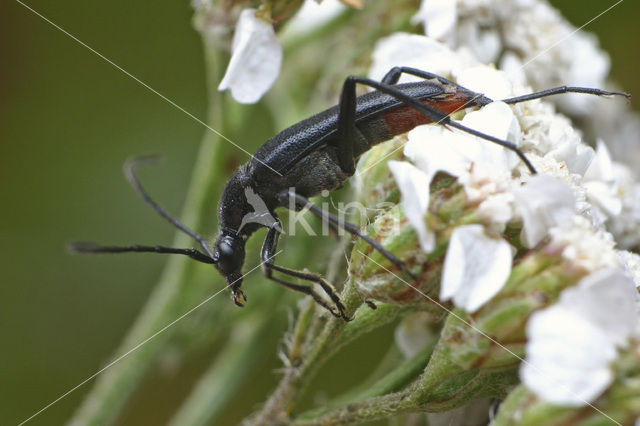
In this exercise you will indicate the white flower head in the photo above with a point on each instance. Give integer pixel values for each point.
(583, 246)
(476, 267)
(544, 203)
(572, 343)
(255, 61)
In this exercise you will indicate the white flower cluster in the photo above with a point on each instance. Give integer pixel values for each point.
(531, 39)
(532, 42)
(543, 50)
(565, 205)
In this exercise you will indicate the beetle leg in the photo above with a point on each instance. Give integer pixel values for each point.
(346, 120)
(346, 127)
(268, 266)
(394, 74)
(350, 228)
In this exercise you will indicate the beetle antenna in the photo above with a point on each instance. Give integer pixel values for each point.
(91, 248)
(564, 89)
(129, 171)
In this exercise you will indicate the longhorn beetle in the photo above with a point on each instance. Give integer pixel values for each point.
(318, 154)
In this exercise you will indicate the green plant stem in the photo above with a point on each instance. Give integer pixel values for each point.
(230, 370)
(515, 402)
(486, 384)
(296, 377)
(370, 409)
(174, 294)
(335, 335)
(391, 382)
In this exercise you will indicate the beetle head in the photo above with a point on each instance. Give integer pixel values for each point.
(228, 256)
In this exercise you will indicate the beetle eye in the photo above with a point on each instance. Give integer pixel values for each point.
(225, 249)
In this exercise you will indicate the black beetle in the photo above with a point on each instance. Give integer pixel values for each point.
(319, 154)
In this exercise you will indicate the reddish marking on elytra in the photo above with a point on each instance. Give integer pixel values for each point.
(404, 118)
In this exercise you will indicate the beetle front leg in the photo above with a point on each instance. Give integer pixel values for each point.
(268, 266)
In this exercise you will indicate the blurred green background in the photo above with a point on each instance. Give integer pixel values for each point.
(69, 121)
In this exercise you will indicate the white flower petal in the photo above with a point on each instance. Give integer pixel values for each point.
(486, 80)
(476, 267)
(495, 119)
(438, 17)
(606, 298)
(414, 186)
(256, 59)
(433, 148)
(601, 167)
(600, 194)
(573, 153)
(572, 343)
(567, 357)
(497, 210)
(312, 15)
(512, 67)
(412, 50)
(544, 202)
(484, 43)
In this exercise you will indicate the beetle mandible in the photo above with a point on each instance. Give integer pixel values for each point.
(319, 154)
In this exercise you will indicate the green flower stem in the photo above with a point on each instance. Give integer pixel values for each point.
(174, 294)
(401, 376)
(335, 335)
(368, 320)
(391, 382)
(523, 405)
(479, 386)
(368, 410)
(467, 386)
(299, 335)
(299, 374)
(440, 368)
(513, 403)
(230, 370)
